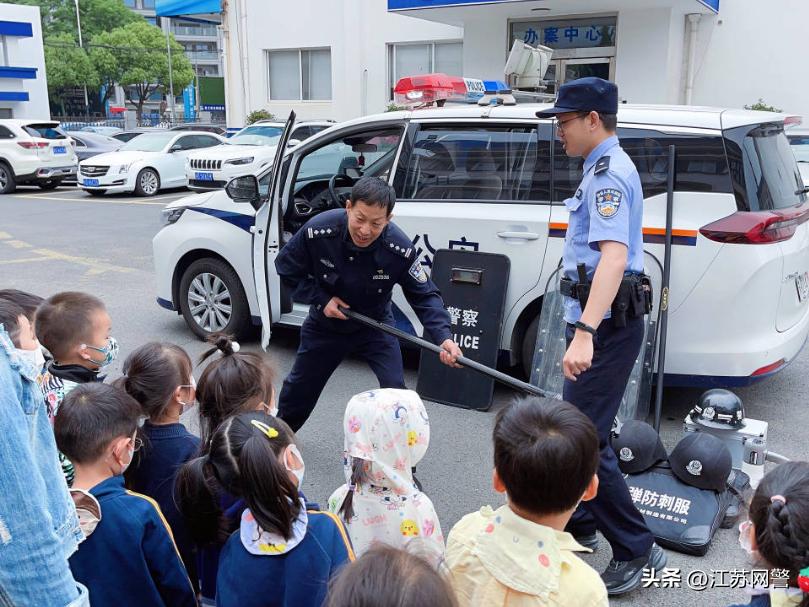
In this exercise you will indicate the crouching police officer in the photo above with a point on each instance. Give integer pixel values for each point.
(604, 306)
(352, 258)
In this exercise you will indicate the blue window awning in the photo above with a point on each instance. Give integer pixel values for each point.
(16, 28)
(13, 96)
(405, 5)
(25, 73)
(177, 8)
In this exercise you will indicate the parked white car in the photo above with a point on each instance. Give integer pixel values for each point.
(34, 152)
(799, 140)
(246, 153)
(493, 179)
(145, 164)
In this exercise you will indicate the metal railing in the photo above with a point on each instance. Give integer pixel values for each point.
(186, 30)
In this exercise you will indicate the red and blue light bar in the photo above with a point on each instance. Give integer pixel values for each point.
(429, 89)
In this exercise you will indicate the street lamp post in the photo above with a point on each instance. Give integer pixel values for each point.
(170, 96)
(81, 45)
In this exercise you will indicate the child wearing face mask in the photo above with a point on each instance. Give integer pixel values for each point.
(233, 382)
(777, 535)
(284, 551)
(75, 328)
(128, 556)
(158, 376)
(21, 332)
(29, 304)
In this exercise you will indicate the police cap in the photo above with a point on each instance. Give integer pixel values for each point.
(701, 460)
(638, 447)
(588, 94)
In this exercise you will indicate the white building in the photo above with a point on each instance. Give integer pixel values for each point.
(23, 84)
(339, 58)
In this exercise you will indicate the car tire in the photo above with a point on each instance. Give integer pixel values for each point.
(7, 182)
(212, 299)
(50, 185)
(529, 341)
(96, 192)
(147, 183)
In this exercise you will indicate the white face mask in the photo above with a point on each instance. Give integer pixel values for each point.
(129, 463)
(293, 449)
(270, 410)
(187, 406)
(35, 357)
(746, 539)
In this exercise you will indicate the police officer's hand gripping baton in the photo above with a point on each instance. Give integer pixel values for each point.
(461, 360)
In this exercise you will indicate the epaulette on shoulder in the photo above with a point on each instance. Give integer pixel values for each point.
(602, 165)
(322, 232)
(393, 247)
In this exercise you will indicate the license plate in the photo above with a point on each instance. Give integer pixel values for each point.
(59, 149)
(203, 176)
(802, 284)
(90, 182)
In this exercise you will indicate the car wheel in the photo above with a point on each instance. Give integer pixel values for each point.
(7, 182)
(529, 342)
(49, 185)
(147, 183)
(96, 192)
(212, 299)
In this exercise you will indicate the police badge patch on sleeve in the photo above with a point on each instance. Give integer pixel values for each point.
(608, 201)
(417, 272)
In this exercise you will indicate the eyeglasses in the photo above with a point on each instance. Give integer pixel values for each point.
(136, 443)
(560, 124)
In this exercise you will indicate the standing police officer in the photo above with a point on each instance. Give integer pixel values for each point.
(352, 258)
(602, 260)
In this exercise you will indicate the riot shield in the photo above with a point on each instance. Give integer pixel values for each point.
(551, 346)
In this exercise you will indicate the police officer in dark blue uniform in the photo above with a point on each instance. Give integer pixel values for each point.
(602, 264)
(352, 258)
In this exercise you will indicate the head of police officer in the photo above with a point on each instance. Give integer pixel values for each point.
(369, 210)
(586, 112)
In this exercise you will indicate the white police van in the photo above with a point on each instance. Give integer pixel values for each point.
(493, 179)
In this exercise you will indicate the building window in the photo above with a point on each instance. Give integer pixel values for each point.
(148, 3)
(423, 58)
(3, 51)
(129, 3)
(303, 74)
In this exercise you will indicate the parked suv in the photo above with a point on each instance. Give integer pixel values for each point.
(34, 152)
(494, 179)
(247, 152)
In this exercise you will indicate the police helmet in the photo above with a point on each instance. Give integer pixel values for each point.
(718, 409)
(702, 460)
(638, 447)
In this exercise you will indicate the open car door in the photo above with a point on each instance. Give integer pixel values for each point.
(267, 242)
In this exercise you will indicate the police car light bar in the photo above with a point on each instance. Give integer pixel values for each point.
(436, 89)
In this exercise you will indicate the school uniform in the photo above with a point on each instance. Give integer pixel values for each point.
(261, 569)
(165, 449)
(130, 558)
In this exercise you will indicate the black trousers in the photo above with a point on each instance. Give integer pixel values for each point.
(320, 352)
(597, 393)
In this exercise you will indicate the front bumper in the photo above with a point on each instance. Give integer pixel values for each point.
(119, 182)
(219, 177)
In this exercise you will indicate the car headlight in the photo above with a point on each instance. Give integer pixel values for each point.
(245, 160)
(124, 168)
(171, 215)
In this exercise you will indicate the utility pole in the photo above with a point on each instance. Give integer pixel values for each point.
(170, 96)
(81, 45)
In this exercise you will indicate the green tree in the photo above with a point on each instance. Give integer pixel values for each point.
(135, 57)
(761, 106)
(257, 115)
(67, 66)
(59, 16)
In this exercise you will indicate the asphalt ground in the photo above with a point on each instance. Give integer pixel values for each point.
(66, 240)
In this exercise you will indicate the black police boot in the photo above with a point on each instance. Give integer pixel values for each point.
(621, 577)
(588, 541)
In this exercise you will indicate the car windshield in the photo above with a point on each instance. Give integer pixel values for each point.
(257, 135)
(800, 147)
(147, 142)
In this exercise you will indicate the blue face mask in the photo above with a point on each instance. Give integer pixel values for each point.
(109, 352)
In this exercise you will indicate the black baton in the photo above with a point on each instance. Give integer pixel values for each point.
(462, 360)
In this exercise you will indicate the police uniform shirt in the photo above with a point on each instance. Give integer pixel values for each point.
(322, 262)
(608, 205)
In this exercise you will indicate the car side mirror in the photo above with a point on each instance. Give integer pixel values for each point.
(244, 189)
(175, 148)
(293, 142)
